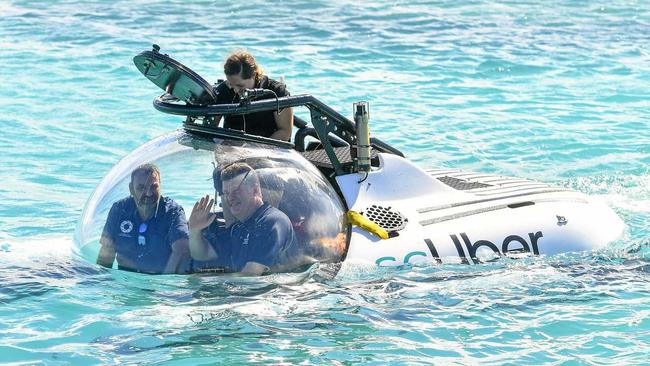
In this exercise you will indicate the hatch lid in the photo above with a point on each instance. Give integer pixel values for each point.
(174, 77)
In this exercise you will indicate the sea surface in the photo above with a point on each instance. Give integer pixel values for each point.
(554, 91)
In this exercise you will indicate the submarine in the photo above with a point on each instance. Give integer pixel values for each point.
(350, 197)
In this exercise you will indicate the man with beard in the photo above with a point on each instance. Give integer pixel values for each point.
(260, 239)
(146, 232)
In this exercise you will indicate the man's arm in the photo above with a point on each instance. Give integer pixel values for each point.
(200, 249)
(201, 218)
(284, 123)
(180, 255)
(107, 250)
(106, 255)
(179, 259)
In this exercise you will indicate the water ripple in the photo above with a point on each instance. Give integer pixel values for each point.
(545, 91)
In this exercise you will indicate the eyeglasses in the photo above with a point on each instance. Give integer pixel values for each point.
(141, 230)
(228, 193)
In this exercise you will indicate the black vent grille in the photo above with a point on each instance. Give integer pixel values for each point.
(319, 157)
(388, 219)
(462, 185)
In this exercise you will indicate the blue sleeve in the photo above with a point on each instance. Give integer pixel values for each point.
(111, 222)
(178, 226)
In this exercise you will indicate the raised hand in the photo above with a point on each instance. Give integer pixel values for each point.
(201, 216)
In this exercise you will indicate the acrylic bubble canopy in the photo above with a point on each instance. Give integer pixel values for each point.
(187, 165)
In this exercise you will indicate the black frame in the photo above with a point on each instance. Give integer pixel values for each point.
(324, 119)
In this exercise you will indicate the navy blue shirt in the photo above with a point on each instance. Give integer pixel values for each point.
(150, 253)
(258, 123)
(266, 238)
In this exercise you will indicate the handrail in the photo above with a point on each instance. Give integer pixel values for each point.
(255, 106)
(325, 120)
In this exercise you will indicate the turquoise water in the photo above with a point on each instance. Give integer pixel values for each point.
(551, 91)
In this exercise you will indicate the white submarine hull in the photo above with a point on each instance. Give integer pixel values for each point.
(448, 216)
(438, 216)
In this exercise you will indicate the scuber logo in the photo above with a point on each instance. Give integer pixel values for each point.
(510, 244)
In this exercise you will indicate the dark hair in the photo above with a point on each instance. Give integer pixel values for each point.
(236, 169)
(244, 63)
(147, 169)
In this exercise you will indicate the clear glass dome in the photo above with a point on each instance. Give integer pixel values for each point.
(187, 165)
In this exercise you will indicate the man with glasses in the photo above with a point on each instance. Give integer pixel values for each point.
(146, 232)
(256, 243)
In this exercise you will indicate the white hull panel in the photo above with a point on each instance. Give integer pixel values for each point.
(455, 217)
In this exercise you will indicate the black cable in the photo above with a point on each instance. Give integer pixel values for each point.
(364, 178)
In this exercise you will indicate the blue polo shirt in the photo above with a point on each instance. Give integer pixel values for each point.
(266, 238)
(151, 254)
